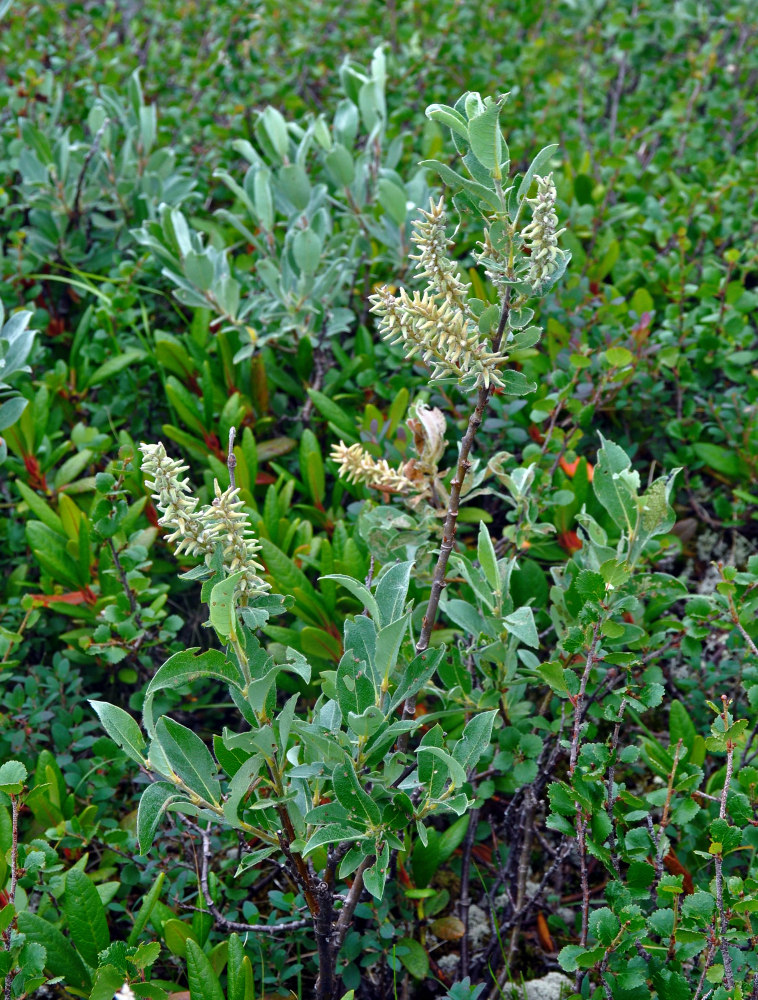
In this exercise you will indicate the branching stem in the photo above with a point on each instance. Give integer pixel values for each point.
(451, 519)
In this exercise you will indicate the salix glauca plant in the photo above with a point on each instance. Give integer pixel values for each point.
(335, 786)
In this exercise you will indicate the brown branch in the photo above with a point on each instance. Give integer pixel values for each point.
(346, 913)
(464, 901)
(451, 519)
(322, 926)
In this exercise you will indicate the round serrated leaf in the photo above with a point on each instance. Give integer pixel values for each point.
(13, 774)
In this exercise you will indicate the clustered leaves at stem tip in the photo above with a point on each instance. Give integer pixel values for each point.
(199, 531)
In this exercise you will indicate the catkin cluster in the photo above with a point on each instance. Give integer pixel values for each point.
(198, 531)
(416, 476)
(541, 235)
(437, 324)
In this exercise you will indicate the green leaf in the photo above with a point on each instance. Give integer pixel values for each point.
(334, 413)
(264, 206)
(122, 729)
(388, 642)
(567, 957)
(604, 925)
(619, 357)
(185, 667)
(487, 558)
(312, 466)
(40, 508)
(339, 162)
(478, 192)
(418, 672)
(359, 590)
(681, 726)
(521, 624)
(485, 138)
(475, 740)
(114, 365)
(333, 833)
(699, 906)
(391, 592)
(414, 957)
(222, 606)
(107, 982)
(540, 160)
(61, 959)
(454, 769)
(615, 485)
(154, 802)
(203, 982)
(239, 971)
(553, 675)
(11, 410)
(355, 688)
(148, 904)
(375, 877)
(516, 383)
(85, 916)
(393, 200)
(590, 584)
(13, 774)
(306, 249)
(715, 456)
(190, 758)
(239, 787)
(350, 794)
(450, 117)
(176, 934)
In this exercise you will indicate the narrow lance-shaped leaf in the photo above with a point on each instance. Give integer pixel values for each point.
(140, 921)
(485, 138)
(475, 740)
(375, 877)
(122, 729)
(203, 981)
(540, 161)
(189, 757)
(352, 796)
(154, 802)
(391, 592)
(222, 608)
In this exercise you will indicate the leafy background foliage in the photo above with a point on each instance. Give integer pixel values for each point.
(192, 223)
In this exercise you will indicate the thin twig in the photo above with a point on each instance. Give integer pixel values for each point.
(718, 860)
(222, 922)
(464, 901)
(346, 913)
(451, 519)
(76, 212)
(125, 584)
